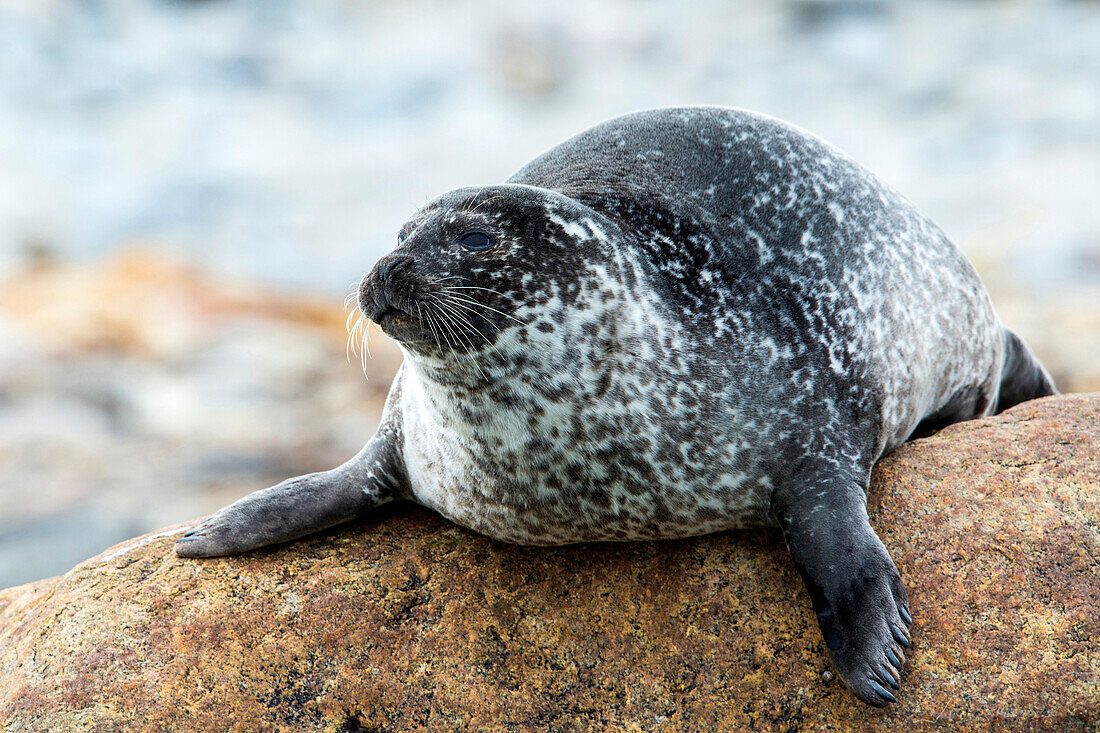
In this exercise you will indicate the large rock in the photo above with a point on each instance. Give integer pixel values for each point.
(406, 622)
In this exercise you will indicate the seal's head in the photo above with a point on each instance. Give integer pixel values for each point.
(473, 267)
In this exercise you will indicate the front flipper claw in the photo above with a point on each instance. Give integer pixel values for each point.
(292, 509)
(888, 676)
(900, 636)
(855, 589)
(881, 695)
(213, 537)
(865, 625)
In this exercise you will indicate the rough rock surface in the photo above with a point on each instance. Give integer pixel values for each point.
(405, 622)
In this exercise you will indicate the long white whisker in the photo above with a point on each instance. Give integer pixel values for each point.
(459, 316)
(463, 319)
(466, 344)
(353, 340)
(471, 287)
(456, 304)
(425, 319)
(465, 287)
(452, 296)
(470, 324)
(445, 322)
(443, 325)
(431, 325)
(365, 348)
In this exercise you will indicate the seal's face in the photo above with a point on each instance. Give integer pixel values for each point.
(471, 265)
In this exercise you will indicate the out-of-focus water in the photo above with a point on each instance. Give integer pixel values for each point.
(288, 139)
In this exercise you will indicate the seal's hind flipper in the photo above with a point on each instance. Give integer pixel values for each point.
(857, 594)
(1023, 377)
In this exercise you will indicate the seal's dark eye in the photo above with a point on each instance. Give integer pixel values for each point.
(475, 240)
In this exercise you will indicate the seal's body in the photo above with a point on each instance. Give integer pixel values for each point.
(677, 322)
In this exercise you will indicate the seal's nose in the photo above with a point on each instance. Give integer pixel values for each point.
(386, 265)
(378, 289)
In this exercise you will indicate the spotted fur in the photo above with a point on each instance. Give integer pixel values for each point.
(690, 320)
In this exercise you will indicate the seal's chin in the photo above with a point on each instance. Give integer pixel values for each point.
(400, 325)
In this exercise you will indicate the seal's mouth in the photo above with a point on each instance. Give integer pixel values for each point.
(388, 312)
(389, 295)
(432, 314)
(396, 322)
(393, 319)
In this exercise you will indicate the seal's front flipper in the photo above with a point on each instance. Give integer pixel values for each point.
(298, 506)
(856, 591)
(287, 511)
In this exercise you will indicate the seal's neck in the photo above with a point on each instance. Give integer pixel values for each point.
(462, 371)
(564, 354)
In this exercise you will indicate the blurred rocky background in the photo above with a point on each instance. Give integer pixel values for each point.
(188, 189)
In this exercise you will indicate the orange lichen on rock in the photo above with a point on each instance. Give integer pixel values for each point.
(406, 622)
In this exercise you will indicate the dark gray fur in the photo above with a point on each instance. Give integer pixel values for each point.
(690, 320)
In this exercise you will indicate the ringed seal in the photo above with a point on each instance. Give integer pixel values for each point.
(677, 322)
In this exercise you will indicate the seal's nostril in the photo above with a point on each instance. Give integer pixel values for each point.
(386, 265)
